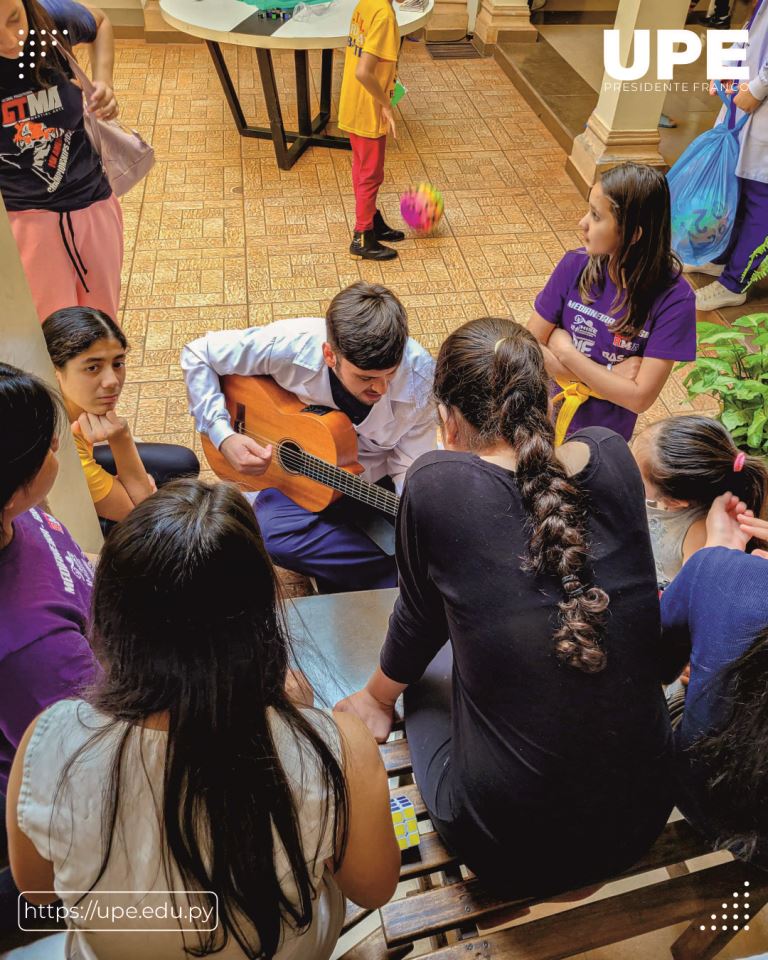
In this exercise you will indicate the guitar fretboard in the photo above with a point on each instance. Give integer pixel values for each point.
(296, 460)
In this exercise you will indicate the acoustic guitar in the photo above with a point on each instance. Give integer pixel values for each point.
(314, 459)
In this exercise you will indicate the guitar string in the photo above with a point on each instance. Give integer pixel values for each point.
(331, 475)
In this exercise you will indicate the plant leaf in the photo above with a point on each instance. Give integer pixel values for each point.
(756, 429)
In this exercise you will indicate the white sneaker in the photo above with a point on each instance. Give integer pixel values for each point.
(715, 295)
(711, 269)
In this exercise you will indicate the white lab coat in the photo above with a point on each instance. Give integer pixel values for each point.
(400, 427)
(753, 140)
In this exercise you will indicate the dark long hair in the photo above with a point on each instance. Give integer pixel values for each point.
(186, 621)
(492, 371)
(644, 265)
(30, 417)
(47, 71)
(737, 754)
(693, 457)
(72, 330)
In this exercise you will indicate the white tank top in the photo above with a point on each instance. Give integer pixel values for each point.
(69, 834)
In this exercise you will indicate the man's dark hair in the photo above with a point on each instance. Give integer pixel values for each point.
(367, 325)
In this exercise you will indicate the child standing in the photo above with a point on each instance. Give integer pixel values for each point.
(686, 463)
(616, 314)
(366, 114)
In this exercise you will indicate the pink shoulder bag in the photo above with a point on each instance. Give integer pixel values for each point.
(126, 157)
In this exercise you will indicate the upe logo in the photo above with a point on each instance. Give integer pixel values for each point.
(739, 916)
(720, 62)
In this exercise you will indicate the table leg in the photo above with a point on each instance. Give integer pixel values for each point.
(309, 133)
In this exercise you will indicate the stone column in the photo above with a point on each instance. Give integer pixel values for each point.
(22, 345)
(503, 20)
(624, 124)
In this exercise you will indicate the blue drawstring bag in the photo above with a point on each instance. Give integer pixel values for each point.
(705, 190)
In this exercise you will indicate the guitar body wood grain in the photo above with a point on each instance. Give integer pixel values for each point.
(272, 415)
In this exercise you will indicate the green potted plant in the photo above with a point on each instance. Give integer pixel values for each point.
(732, 366)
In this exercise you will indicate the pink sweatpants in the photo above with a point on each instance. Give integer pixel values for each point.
(367, 176)
(72, 259)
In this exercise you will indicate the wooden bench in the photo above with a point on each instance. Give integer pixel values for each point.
(450, 903)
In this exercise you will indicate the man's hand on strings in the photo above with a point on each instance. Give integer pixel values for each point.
(246, 456)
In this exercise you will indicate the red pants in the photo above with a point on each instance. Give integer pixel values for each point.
(367, 176)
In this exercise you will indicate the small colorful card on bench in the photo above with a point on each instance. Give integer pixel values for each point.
(399, 93)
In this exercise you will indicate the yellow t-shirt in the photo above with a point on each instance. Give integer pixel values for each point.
(373, 30)
(99, 481)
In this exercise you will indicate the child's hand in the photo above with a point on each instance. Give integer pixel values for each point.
(388, 115)
(754, 527)
(724, 526)
(103, 103)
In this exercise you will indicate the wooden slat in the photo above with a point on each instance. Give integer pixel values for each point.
(604, 922)
(446, 907)
(373, 947)
(354, 915)
(396, 757)
(433, 856)
(411, 791)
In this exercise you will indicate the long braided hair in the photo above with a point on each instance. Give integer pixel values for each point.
(492, 371)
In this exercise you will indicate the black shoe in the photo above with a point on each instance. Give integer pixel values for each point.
(717, 23)
(365, 246)
(385, 232)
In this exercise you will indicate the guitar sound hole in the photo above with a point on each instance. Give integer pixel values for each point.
(289, 456)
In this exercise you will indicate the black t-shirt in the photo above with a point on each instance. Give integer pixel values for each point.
(547, 763)
(47, 161)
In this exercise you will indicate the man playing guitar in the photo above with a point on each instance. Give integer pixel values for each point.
(359, 360)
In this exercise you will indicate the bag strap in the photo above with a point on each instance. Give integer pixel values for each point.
(734, 127)
(80, 75)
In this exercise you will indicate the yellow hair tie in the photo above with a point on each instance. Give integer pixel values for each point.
(497, 344)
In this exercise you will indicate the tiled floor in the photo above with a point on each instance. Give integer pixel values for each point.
(219, 237)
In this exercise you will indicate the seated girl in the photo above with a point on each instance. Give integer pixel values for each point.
(45, 582)
(616, 314)
(539, 734)
(686, 462)
(88, 350)
(714, 613)
(189, 767)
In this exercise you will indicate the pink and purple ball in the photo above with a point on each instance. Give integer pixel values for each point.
(422, 208)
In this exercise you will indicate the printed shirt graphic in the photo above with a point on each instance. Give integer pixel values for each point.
(45, 595)
(47, 161)
(669, 332)
(373, 30)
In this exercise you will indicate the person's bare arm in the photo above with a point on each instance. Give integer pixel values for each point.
(542, 329)
(365, 73)
(102, 54)
(369, 871)
(30, 870)
(374, 704)
(636, 394)
(695, 538)
(132, 484)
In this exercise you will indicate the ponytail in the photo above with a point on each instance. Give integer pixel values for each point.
(492, 371)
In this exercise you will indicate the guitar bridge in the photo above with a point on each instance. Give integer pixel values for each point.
(239, 422)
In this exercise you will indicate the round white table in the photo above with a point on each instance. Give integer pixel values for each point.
(231, 21)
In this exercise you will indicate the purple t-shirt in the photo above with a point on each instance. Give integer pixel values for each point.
(669, 332)
(45, 595)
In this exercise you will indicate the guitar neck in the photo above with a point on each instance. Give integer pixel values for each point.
(332, 476)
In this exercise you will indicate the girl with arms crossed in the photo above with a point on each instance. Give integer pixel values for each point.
(616, 314)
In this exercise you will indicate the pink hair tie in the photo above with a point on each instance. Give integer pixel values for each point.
(738, 463)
